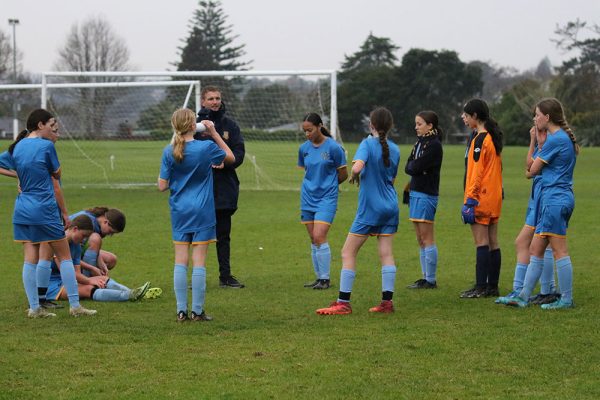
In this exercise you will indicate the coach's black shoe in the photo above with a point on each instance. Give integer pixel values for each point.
(322, 284)
(202, 317)
(423, 284)
(47, 304)
(492, 291)
(473, 293)
(182, 316)
(230, 282)
(311, 284)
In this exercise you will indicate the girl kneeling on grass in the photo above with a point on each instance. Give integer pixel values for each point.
(187, 171)
(375, 165)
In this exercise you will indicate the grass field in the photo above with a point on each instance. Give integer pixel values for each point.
(267, 342)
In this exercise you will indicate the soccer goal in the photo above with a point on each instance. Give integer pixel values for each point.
(114, 125)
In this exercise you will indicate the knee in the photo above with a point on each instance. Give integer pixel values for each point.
(110, 260)
(95, 241)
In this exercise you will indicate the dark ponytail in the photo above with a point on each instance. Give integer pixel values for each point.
(22, 135)
(316, 120)
(430, 117)
(479, 109)
(382, 120)
(33, 120)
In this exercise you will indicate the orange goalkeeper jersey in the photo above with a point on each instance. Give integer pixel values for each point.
(483, 179)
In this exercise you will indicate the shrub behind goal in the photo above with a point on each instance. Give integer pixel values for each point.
(114, 125)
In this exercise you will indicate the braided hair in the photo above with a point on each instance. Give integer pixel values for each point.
(182, 122)
(382, 120)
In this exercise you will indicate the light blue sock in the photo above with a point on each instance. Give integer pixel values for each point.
(43, 271)
(198, 289)
(519, 279)
(180, 285)
(67, 275)
(112, 284)
(323, 254)
(388, 278)
(110, 295)
(547, 279)
(423, 261)
(313, 253)
(564, 270)
(90, 257)
(431, 257)
(30, 285)
(534, 271)
(346, 281)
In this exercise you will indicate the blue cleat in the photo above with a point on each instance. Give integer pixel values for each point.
(505, 299)
(517, 302)
(558, 305)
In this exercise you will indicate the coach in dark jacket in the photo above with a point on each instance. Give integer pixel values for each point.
(225, 181)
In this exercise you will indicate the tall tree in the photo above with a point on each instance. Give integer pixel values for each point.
(93, 46)
(209, 45)
(578, 81)
(374, 52)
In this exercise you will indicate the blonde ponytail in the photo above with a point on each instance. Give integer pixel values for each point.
(182, 122)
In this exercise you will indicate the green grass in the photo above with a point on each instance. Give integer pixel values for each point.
(267, 342)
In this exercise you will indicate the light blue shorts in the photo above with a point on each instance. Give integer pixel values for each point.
(422, 207)
(323, 217)
(38, 233)
(372, 230)
(201, 236)
(531, 214)
(553, 220)
(54, 287)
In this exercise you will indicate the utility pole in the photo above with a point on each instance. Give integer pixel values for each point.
(14, 22)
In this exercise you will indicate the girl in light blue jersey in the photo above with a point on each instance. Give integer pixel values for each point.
(187, 171)
(324, 164)
(374, 169)
(556, 163)
(36, 217)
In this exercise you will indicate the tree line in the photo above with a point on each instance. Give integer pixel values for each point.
(373, 75)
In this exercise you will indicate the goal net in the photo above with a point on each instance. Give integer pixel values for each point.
(114, 126)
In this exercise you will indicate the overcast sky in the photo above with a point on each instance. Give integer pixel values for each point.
(308, 34)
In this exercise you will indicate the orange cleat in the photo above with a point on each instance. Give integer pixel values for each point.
(336, 308)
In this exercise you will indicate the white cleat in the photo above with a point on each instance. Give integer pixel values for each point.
(39, 313)
(78, 311)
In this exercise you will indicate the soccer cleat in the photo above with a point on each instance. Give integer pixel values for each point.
(423, 284)
(322, 284)
(473, 293)
(79, 311)
(311, 284)
(137, 293)
(386, 306)
(517, 301)
(47, 304)
(39, 312)
(153, 293)
(492, 292)
(544, 298)
(200, 317)
(230, 282)
(559, 304)
(336, 308)
(504, 300)
(417, 284)
(182, 316)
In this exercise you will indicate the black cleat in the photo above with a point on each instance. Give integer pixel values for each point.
(231, 282)
(202, 317)
(423, 284)
(311, 284)
(473, 293)
(182, 316)
(49, 305)
(322, 284)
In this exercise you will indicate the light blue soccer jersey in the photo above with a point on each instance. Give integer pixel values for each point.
(320, 184)
(6, 161)
(75, 250)
(35, 159)
(558, 153)
(191, 185)
(377, 198)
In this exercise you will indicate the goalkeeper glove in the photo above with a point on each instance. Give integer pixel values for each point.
(468, 211)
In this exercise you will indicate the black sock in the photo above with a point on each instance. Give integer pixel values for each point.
(42, 293)
(345, 296)
(387, 295)
(494, 272)
(482, 266)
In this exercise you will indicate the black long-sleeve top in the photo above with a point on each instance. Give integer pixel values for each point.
(424, 165)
